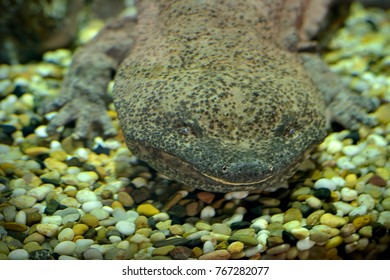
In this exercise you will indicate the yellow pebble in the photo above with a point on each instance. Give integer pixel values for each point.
(36, 151)
(334, 242)
(196, 252)
(332, 220)
(350, 180)
(77, 237)
(116, 204)
(362, 221)
(90, 220)
(80, 229)
(383, 172)
(235, 247)
(383, 113)
(334, 196)
(147, 210)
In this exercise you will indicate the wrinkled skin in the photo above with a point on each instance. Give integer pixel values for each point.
(214, 94)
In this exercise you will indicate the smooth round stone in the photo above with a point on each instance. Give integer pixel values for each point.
(67, 211)
(325, 183)
(208, 247)
(100, 213)
(23, 201)
(202, 226)
(125, 199)
(221, 228)
(181, 253)
(18, 254)
(125, 227)
(163, 251)
(161, 217)
(386, 203)
(55, 219)
(70, 218)
(332, 220)
(67, 234)
(278, 249)
(164, 225)
(348, 194)
(366, 200)
(9, 213)
(305, 244)
(260, 223)
(117, 254)
(35, 237)
(246, 239)
(366, 231)
(87, 177)
(15, 226)
(90, 220)
(314, 202)
(40, 192)
(147, 210)
(347, 230)
(80, 229)
(292, 214)
(86, 195)
(343, 208)
(236, 195)
(65, 248)
(207, 213)
(300, 233)
(216, 255)
(4, 248)
(291, 225)
(92, 254)
(48, 230)
(32, 246)
(334, 242)
(21, 217)
(362, 221)
(159, 236)
(70, 202)
(90, 205)
(235, 247)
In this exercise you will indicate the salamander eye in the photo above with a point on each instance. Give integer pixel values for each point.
(187, 128)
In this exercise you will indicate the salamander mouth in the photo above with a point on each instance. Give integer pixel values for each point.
(180, 170)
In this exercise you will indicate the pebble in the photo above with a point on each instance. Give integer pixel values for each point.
(180, 253)
(334, 242)
(292, 214)
(276, 250)
(147, 210)
(90, 220)
(125, 199)
(100, 213)
(314, 218)
(35, 237)
(362, 221)
(305, 244)
(65, 248)
(79, 229)
(348, 194)
(347, 230)
(208, 247)
(332, 220)
(300, 233)
(221, 228)
(71, 218)
(92, 254)
(40, 192)
(9, 213)
(314, 202)
(206, 197)
(86, 195)
(125, 227)
(87, 177)
(66, 234)
(246, 239)
(23, 201)
(49, 230)
(216, 255)
(55, 219)
(90, 205)
(235, 247)
(325, 183)
(207, 213)
(18, 254)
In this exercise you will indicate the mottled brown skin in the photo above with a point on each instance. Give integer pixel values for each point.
(214, 93)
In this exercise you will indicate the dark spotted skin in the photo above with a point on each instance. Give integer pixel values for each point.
(215, 95)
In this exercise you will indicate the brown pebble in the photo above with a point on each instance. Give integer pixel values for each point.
(125, 199)
(347, 230)
(193, 208)
(378, 181)
(216, 255)
(173, 201)
(206, 197)
(292, 214)
(181, 253)
(278, 249)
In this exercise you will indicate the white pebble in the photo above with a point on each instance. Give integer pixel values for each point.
(40, 192)
(66, 234)
(378, 140)
(351, 150)
(40, 131)
(208, 247)
(86, 195)
(23, 201)
(114, 238)
(65, 248)
(339, 181)
(334, 146)
(100, 213)
(81, 153)
(236, 195)
(251, 251)
(90, 205)
(384, 219)
(87, 177)
(47, 229)
(262, 237)
(21, 217)
(359, 211)
(348, 194)
(55, 219)
(260, 223)
(234, 219)
(358, 160)
(345, 163)
(18, 254)
(197, 235)
(314, 202)
(325, 183)
(343, 208)
(160, 217)
(367, 200)
(305, 244)
(207, 213)
(125, 227)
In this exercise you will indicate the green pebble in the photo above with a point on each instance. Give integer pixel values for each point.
(292, 214)
(202, 226)
(163, 251)
(163, 225)
(386, 203)
(366, 231)
(4, 248)
(246, 239)
(221, 229)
